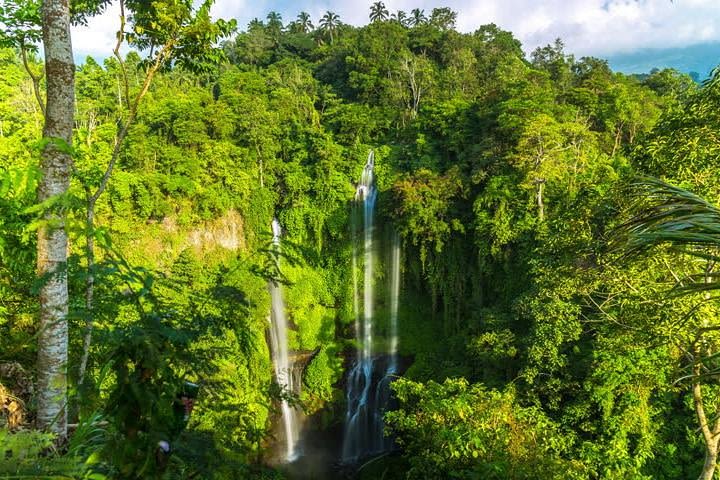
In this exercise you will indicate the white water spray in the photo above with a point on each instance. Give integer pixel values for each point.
(281, 359)
(394, 302)
(368, 382)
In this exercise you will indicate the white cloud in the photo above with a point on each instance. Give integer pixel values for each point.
(99, 37)
(588, 27)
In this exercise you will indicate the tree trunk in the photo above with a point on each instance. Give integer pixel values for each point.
(52, 237)
(33, 77)
(710, 434)
(89, 290)
(711, 454)
(540, 201)
(618, 137)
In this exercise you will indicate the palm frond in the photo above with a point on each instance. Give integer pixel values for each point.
(665, 214)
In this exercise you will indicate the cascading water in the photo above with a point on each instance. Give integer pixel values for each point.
(394, 302)
(368, 382)
(281, 359)
(379, 442)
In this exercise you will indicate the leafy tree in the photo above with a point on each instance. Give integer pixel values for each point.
(21, 21)
(400, 17)
(417, 17)
(253, 46)
(329, 24)
(467, 431)
(443, 18)
(681, 147)
(669, 82)
(173, 46)
(304, 23)
(552, 59)
(424, 207)
(675, 216)
(274, 25)
(378, 12)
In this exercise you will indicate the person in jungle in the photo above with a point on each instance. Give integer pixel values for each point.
(182, 409)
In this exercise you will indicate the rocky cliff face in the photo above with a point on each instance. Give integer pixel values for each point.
(158, 243)
(226, 232)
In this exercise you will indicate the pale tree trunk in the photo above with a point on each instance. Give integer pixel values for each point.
(35, 78)
(89, 289)
(539, 181)
(539, 197)
(410, 69)
(52, 237)
(618, 137)
(710, 433)
(708, 471)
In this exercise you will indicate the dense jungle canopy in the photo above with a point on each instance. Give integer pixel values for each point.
(557, 316)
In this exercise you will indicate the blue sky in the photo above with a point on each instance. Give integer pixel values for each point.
(639, 30)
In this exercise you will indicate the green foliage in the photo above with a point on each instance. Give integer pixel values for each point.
(17, 259)
(185, 327)
(30, 454)
(179, 31)
(423, 205)
(504, 176)
(319, 379)
(21, 24)
(455, 430)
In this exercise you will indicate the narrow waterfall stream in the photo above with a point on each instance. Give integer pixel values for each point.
(281, 358)
(368, 382)
(394, 302)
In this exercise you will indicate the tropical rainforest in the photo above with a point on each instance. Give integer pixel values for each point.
(557, 223)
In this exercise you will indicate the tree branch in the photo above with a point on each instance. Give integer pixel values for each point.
(116, 52)
(35, 78)
(700, 410)
(92, 199)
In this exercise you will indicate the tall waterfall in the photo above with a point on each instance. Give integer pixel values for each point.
(281, 360)
(368, 382)
(394, 301)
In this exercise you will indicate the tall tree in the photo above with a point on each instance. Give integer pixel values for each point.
(401, 17)
(329, 24)
(415, 74)
(675, 216)
(552, 59)
(274, 25)
(26, 24)
(304, 23)
(541, 156)
(255, 24)
(417, 17)
(52, 236)
(443, 18)
(378, 12)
